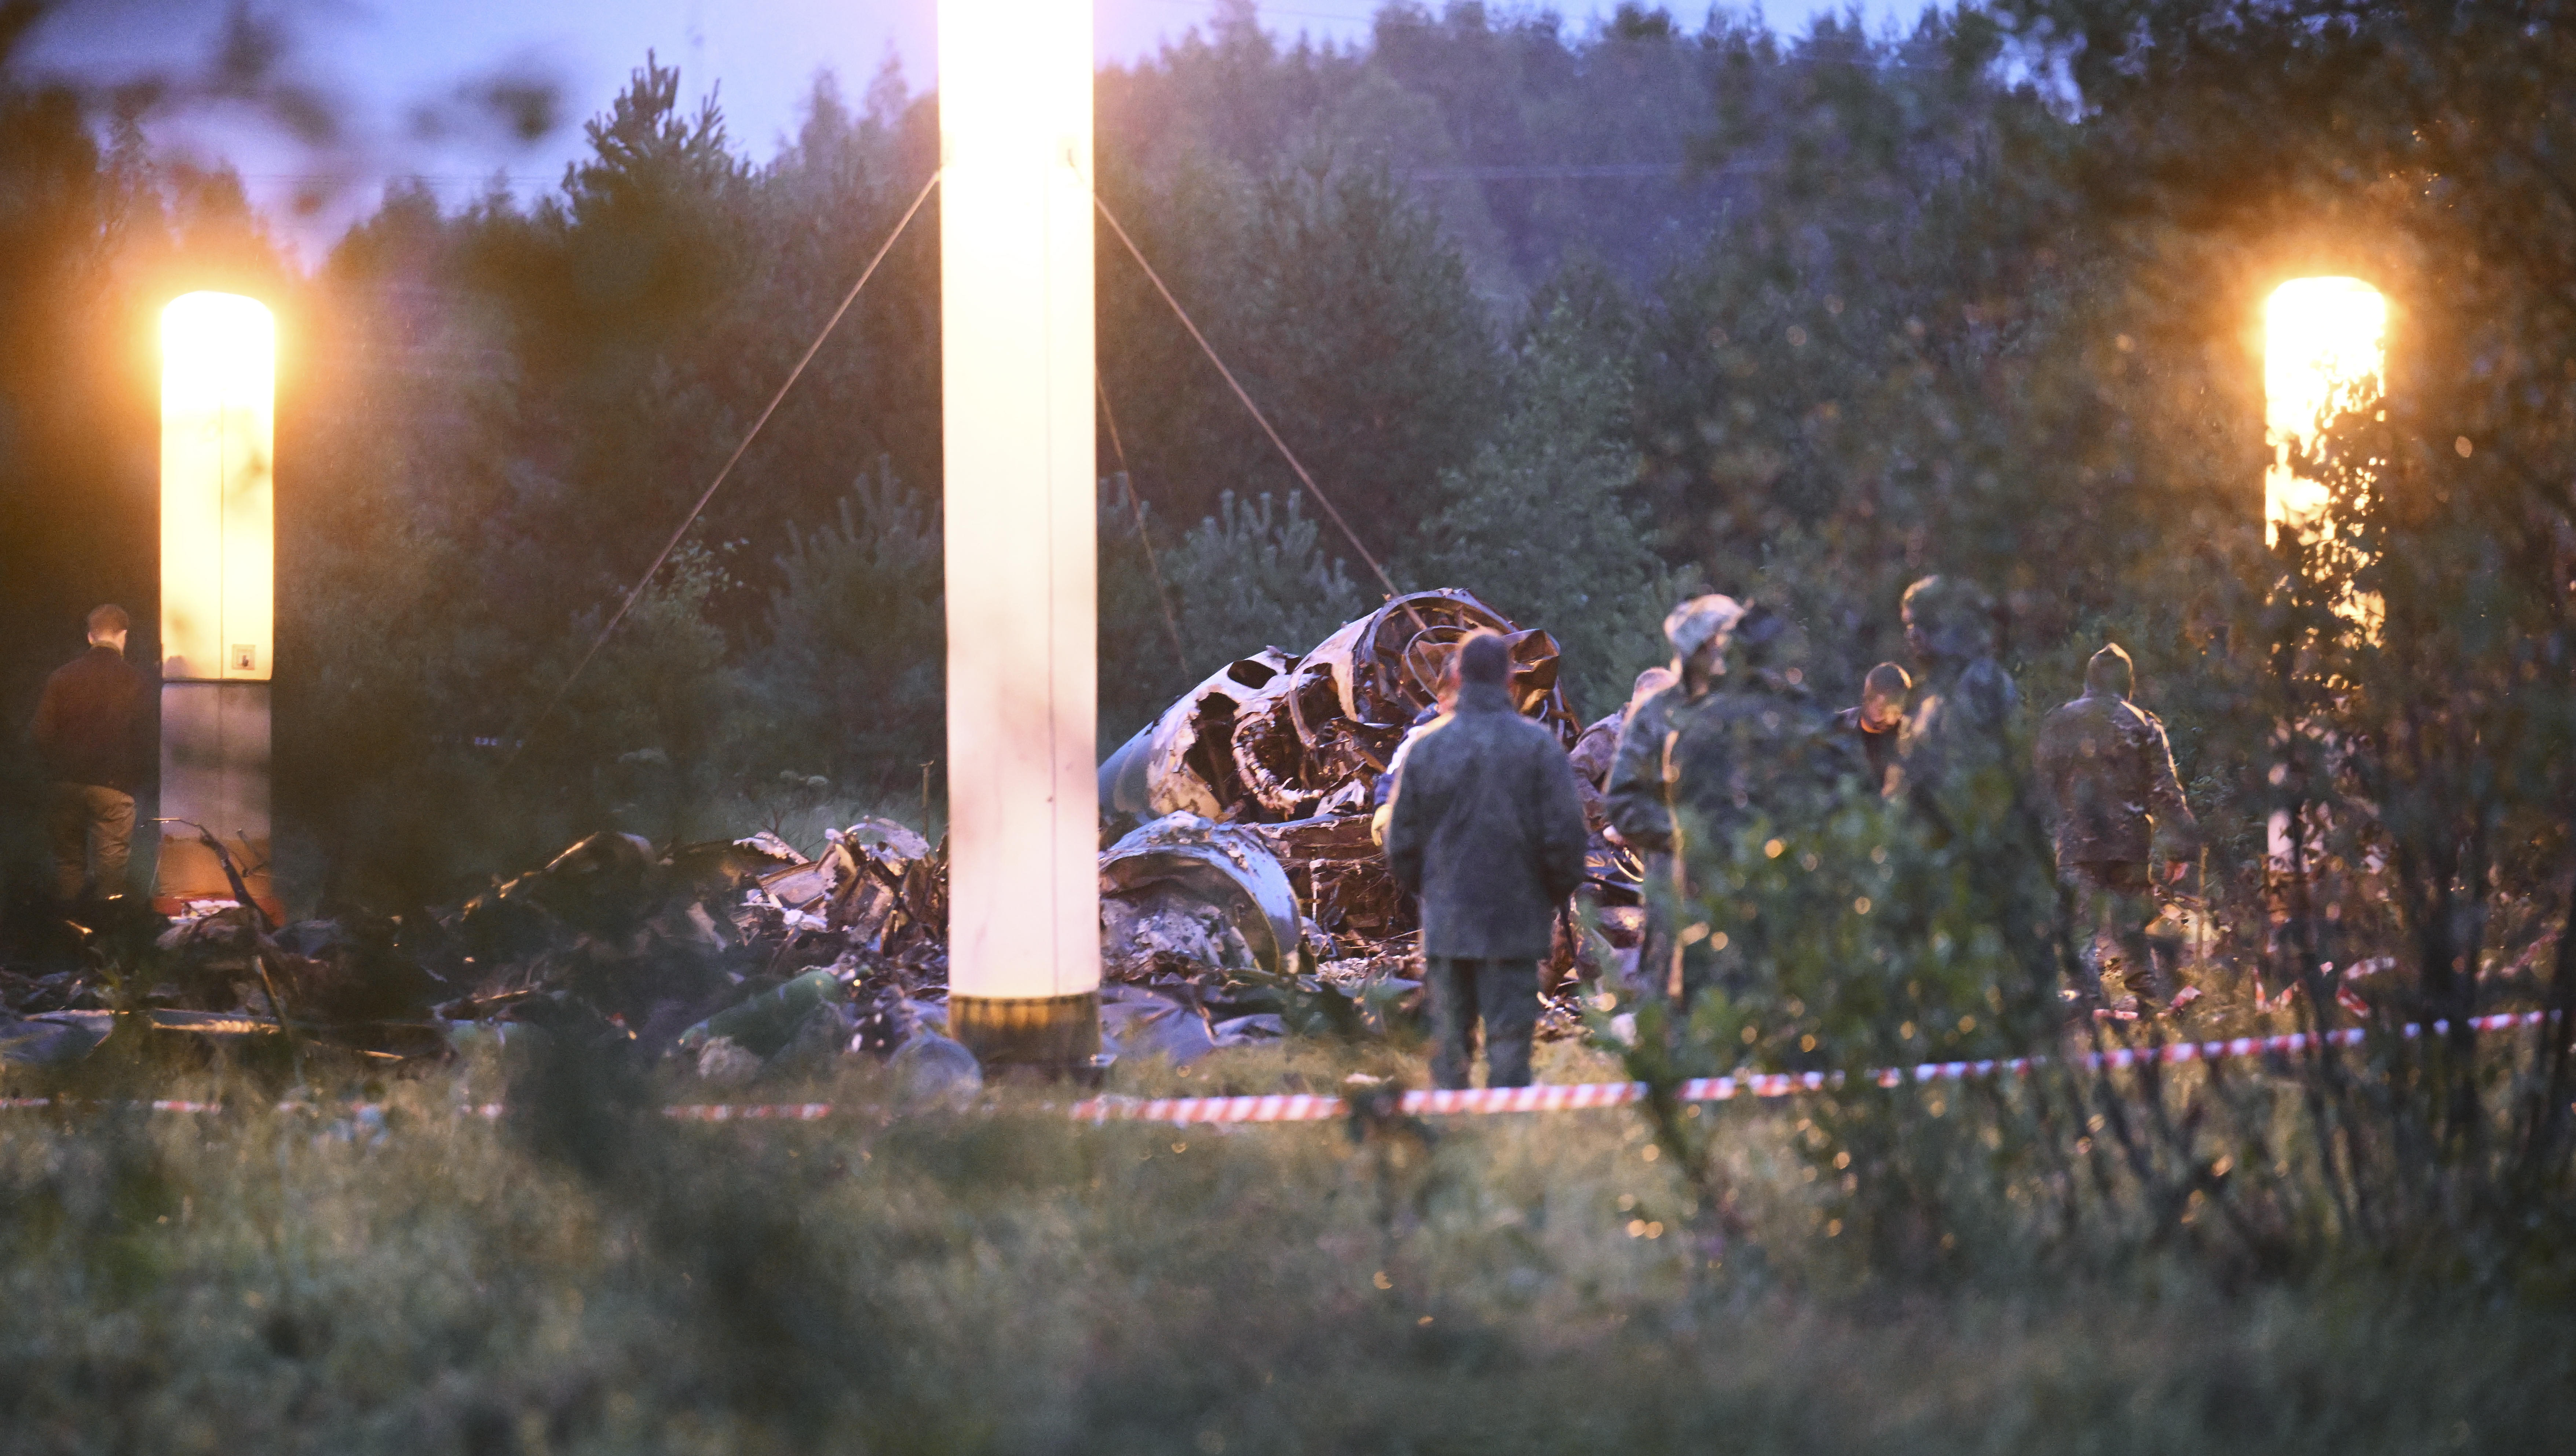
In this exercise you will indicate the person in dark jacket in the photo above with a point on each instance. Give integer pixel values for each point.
(1487, 831)
(90, 731)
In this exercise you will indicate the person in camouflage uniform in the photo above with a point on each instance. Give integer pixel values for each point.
(1959, 730)
(1731, 744)
(1597, 751)
(2110, 792)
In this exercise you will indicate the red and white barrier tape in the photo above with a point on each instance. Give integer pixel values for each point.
(488, 1111)
(1558, 1097)
(749, 1112)
(159, 1104)
(1574, 1096)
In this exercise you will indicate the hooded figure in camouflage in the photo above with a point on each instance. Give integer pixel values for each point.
(1732, 744)
(1960, 727)
(2111, 794)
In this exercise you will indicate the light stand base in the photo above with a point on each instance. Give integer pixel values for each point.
(1050, 1036)
(214, 773)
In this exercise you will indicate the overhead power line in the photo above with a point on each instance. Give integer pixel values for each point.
(1542, 172)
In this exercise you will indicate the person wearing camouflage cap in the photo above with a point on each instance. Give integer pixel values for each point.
(1732, 744)
(1701, 629)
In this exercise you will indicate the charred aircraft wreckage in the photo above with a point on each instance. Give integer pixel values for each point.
(1274, 764)
(1243, 897)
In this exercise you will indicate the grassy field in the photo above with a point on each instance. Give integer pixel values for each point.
(578, 1277)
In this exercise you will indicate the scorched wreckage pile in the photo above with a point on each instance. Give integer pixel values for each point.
(1246, 898)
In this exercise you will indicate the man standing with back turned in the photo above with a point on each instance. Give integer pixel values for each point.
(89, 730)
(1488, 832)
(2111, 797)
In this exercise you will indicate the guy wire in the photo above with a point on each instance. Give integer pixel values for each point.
(716, 484)
(1304, 476)
(1258, 417)
(1127, 478)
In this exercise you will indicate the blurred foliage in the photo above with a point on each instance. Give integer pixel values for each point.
(588, 1276)
(1974, 335)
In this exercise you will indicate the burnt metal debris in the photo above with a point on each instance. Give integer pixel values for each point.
(1291, 748)
(1246, 899)
(1275, 737)
(1279, 756)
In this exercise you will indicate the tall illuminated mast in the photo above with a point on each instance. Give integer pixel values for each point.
(218, 597)
(2324, 342)
(2324, 356)
(1016, 379)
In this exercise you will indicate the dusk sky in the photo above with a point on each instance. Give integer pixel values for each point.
(400, 74)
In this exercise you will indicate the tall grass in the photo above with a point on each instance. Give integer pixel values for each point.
(585, 1275)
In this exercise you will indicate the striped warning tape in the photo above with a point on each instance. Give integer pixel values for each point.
(753, 1112)
(1574, 1096)
(158, 1104)
(488, 1111)
(1558, 1097)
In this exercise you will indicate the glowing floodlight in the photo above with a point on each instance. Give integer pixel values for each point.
(1016, 381)
(2323, 355)
(218, 563)
(218, 586)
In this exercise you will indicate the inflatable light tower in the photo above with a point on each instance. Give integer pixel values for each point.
(1015, 234)
(218, 612)
(2324, 353)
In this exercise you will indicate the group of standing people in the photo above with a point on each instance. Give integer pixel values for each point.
(1741, 740)
(1488, 821)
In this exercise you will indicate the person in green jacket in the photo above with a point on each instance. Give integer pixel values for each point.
(1958, 737)
(1486, 830)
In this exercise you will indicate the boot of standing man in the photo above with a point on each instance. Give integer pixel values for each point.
(90, 731)
(1487, 831)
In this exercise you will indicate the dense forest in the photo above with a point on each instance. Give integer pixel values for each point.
(1573, 318)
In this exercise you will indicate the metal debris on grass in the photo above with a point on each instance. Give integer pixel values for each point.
(1250, 901)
